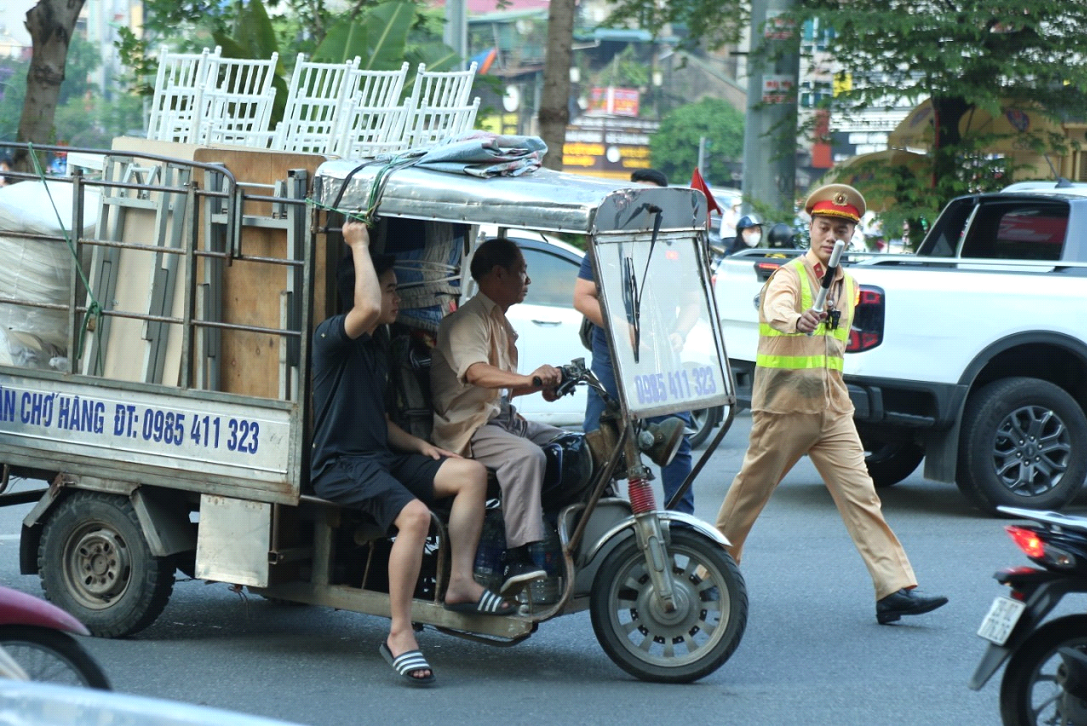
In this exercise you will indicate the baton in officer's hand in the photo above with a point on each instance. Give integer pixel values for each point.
(828, 277)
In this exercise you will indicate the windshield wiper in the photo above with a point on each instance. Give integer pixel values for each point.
(632, 302)
(632, 291)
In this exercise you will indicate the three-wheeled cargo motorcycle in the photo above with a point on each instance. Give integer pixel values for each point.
(160, 387)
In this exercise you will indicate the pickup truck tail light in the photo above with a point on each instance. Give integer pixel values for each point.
(867, 330)
(765, 268)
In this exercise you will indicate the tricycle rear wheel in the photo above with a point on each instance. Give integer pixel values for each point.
(681, 646)
(95, 563)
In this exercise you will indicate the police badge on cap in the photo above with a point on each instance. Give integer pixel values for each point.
(836, 200)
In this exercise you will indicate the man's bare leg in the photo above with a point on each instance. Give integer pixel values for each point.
(405, 559)
(466, 481)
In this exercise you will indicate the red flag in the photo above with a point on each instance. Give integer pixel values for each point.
(697, 182)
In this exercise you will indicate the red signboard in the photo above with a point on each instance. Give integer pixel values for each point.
(615, 101)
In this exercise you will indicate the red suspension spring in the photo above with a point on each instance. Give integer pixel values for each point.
(641, 495)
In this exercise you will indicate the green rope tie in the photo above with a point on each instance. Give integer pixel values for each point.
(94, 309)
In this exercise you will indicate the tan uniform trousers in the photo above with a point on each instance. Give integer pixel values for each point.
(511, 446)
(831, 441)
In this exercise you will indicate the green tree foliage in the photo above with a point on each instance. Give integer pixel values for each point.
(700, 23)
(92, 122)
(83, 118)
(12, 96)
(967, 56)
(625, 69)
(674, 148)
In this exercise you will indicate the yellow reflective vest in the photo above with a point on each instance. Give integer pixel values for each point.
(795, 372)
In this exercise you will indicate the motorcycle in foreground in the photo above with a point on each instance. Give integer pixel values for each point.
(36, 643)
(1045, 681)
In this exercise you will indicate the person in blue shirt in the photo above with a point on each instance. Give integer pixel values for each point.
(587, 302)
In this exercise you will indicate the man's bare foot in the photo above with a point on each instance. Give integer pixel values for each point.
(471, 598)
(463, 590)
(401, 643)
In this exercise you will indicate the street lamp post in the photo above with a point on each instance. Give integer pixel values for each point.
(456, 29)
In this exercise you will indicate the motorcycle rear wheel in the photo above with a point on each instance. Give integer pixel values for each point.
(1030, 692)
(677, 647)
(50, 656)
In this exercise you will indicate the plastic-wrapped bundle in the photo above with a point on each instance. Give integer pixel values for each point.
(37, 270)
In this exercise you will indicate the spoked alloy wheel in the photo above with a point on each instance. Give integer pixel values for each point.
(703, 422)
(1024, 444)
(670, 647)
(1031, 692)
(49, 656)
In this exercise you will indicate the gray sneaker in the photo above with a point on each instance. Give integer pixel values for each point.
(517, 574)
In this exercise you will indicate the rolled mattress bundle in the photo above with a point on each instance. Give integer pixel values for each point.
(37, 270)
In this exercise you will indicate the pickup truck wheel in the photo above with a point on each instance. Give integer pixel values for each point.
(703, 422)
(1024, 444)
(94, 562)
(889, 462)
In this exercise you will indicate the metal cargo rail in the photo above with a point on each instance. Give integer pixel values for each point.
(183, 366)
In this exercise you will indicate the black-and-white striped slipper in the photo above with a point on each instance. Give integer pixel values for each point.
(408, 664)
(489, 603)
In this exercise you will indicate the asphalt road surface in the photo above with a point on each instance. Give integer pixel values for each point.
(812, 653)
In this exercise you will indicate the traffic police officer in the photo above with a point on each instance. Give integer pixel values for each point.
(800, 405)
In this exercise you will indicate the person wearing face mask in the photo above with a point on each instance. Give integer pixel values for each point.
(748, 235)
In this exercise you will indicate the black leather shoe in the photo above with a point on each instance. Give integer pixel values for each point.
(906, 602)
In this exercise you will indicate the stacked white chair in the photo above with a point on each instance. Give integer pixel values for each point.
(317, 103)
(334, 109)
(375, 121)
(179, 88)
(439, 106)
(237, 104)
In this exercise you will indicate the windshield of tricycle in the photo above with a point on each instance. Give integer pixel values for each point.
(656, 298)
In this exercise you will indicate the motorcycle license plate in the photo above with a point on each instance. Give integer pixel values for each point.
(1001, 619)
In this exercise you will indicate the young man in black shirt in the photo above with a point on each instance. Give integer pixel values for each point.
(362, 459)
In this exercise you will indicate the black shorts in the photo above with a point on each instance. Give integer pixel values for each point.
(381, 485)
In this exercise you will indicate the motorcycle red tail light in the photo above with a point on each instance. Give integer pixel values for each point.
(1026, 540)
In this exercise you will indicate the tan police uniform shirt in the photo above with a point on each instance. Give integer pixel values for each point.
(777, 390)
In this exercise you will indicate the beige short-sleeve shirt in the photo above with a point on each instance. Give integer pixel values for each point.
(477, 332)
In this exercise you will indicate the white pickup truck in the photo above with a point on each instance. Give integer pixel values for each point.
(971, 354)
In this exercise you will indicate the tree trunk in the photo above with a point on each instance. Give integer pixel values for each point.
(50, 23)
(554, 111)
(948, 111)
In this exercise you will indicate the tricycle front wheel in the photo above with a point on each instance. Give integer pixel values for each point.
(670, 647)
